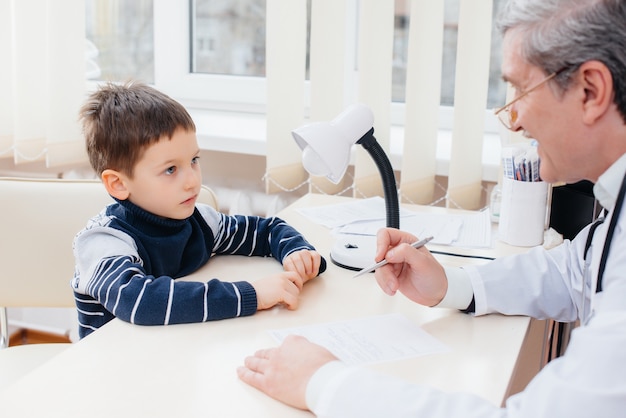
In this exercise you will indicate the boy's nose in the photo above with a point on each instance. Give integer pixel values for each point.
(193, 179)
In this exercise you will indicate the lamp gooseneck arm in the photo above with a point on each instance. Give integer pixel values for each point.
(388, 178)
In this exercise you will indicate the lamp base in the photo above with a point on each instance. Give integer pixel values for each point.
(354, 252)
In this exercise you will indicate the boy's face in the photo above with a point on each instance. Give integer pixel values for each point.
(167, 178)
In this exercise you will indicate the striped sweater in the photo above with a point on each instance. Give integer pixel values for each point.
(128, 260)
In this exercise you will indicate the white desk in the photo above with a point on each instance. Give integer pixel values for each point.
(125, 370)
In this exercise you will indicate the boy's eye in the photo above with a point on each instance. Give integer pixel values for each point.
(170, 170)
(195, 160)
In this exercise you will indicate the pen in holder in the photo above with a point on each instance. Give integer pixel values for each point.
(524, 197)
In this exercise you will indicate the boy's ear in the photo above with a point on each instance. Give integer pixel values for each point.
(114, 183)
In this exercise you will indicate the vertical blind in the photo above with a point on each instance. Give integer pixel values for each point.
(42, 80)
(42, 86)
(329, 65)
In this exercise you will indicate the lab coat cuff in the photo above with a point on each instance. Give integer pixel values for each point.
(324, 382)
(460, 291)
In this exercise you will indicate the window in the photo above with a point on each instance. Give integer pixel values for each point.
(228, 38)
(121, 35)
(211, 53)
(497, 87)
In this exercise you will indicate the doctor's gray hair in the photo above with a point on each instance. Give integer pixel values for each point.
(564, 34)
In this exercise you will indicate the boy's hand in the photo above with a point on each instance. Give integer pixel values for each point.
(304, 262)
(279, 288)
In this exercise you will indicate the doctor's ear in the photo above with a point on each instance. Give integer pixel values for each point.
(598, 84)
(114, 183)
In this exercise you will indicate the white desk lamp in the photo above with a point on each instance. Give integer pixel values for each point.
(326, 152)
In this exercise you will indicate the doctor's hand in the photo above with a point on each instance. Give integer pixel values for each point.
(284, 372)
(413, 272)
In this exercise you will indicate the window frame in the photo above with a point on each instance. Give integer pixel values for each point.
(245, 96)
(172, 23)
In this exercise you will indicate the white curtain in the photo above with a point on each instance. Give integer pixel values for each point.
(329, 65)
(285, 57)
(375, 55)
(423, 86)
(470, 97)
(42, 80)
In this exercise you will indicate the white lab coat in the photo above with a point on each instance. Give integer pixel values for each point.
(589, 380)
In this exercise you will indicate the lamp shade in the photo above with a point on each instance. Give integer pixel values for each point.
(326, 152)
(326, 145)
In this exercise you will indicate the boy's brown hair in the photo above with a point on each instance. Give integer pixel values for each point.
(120, 121)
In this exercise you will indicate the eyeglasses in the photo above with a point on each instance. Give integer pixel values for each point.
(508, 116)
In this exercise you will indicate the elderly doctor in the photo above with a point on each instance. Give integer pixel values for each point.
(566, 60)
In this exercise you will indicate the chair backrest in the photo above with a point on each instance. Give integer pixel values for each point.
(38, 222)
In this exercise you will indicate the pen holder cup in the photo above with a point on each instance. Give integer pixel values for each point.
(523, 212)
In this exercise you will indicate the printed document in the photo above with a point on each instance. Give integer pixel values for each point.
(369, 340)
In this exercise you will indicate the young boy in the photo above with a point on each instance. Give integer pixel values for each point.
(143, 146)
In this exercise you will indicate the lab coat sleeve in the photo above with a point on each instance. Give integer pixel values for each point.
(337, 390)
(588, 381)
(540, 283)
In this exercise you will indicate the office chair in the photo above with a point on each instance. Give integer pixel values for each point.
(38, 222)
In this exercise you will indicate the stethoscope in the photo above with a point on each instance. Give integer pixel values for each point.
(607, 245)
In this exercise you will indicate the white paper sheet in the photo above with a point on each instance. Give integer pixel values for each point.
(476, 230)
(444, 229)
(369, 340)
(367, 216)
(332, 216)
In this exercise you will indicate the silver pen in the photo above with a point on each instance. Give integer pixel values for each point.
(373, 267)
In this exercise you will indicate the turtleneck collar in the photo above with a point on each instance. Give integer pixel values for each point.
(143, 219)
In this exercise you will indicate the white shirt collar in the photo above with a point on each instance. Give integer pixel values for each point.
(608, 184)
